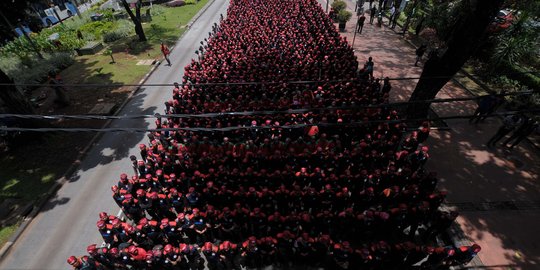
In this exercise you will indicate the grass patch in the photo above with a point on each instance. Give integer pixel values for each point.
(45, 160)
(37, 161)
(6, 232)
(166, 26)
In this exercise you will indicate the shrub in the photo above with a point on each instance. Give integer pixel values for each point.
(339, 5)
(124, 29)
(343, 16)
(190, 2)
(97, 28)
(157, 10)
(34, 70)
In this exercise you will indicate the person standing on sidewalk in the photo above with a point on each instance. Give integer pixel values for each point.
(509, 123)
(372, 14)
(419, 53)
(528, 127)
(395, 18)
(360, 23)
(166, 52)
(484, 105)
(392, 14)
(368, 67)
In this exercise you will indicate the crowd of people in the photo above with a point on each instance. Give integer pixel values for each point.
(335, 186)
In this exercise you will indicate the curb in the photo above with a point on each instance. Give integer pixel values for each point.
(61, 181)
(190, 23)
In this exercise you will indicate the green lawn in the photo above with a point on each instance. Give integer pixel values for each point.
(167, 27)
(6, 232)
(30, 168)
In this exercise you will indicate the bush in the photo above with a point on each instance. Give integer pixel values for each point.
(156, 10)
(190, 2)
(97, 28)
(32, 70)
(343, 16)
(124, 29)
(339, 5)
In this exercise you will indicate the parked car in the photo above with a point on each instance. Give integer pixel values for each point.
(175, 3)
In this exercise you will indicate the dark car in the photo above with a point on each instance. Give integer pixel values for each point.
(175, 3)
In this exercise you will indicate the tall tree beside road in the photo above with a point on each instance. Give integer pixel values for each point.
(13, 99)
(136, 18)
(462, 43)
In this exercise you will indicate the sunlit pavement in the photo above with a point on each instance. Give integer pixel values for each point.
(495, 190)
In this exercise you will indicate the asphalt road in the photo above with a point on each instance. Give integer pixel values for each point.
(66, 225)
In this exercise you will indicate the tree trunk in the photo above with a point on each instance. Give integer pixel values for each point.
(13, 99)
(462, 44)
(136, 19)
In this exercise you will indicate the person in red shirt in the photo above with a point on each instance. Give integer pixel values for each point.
(166, 52)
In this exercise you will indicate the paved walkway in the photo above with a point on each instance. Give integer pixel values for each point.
(496, 191)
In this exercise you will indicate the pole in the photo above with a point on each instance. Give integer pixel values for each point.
(327, 3)
(354, 37)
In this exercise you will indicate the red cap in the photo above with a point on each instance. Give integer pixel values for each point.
(152, 195)
(116, 222)
(165, 221)
(114, 251)
(133, 250)
(100, 224)
(143, 221)
(168, 249)
(142, 146)
(91, 249)
(103, 216)
(123, 176)
(140, 192)
(208, 246)
(72, 260)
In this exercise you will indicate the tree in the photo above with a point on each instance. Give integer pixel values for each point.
(13, 99)
(136, 18)
(16, 13)
(465, 38)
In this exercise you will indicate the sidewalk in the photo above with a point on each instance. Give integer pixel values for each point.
(496, 191)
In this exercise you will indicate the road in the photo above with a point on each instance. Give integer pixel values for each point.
(66, 225)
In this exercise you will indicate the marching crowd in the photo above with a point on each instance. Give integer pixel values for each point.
(335, 186)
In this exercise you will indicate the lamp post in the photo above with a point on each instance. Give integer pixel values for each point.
(327, 3)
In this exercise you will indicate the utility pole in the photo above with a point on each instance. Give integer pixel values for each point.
(327, 3)
(24, 33)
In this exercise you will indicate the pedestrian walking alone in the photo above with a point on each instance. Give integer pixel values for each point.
(509, 123)
(166, 52)
(485, 103)
(395, 18)
(528, 127)
(372, 14)
(419, 53)
(360, 24)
